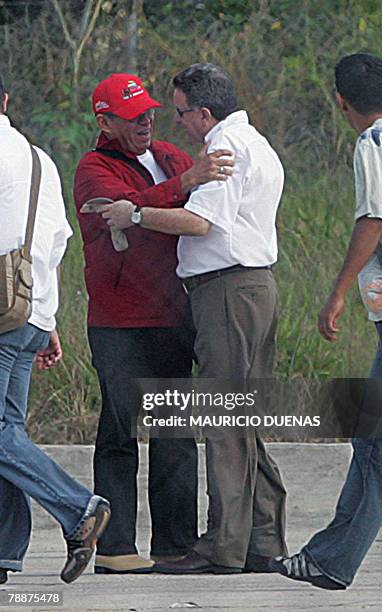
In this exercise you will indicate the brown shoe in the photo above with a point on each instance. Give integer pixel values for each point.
(80, 549)
(193, 563)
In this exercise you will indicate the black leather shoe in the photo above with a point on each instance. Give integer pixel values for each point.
(193, 563)
(257, 564)
(3, 576)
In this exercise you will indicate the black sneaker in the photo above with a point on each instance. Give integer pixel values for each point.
(80, 549)
(3, 576)
(298, 567)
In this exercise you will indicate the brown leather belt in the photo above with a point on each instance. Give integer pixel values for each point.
(194, 281)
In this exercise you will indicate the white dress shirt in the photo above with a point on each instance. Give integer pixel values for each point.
(51, 229)
(242, 209)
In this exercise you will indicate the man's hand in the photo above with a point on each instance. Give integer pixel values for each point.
(215, 166)
(48, 357)
(329, 315)
(366, 234)
(118, 214)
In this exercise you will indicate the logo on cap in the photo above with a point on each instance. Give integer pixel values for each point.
(101, 105)
(132, 90)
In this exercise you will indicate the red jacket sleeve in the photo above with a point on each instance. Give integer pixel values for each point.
(100, 176)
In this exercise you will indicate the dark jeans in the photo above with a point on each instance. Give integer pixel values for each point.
(120, 356)
(339, 549)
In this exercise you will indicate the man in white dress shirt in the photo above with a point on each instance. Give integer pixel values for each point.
(227, 247)
(25, 470)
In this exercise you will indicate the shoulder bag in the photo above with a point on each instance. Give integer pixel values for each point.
(16, 266)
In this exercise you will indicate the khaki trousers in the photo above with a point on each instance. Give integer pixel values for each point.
(235, 321)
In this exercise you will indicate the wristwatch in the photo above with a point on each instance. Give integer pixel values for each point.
(136, 215)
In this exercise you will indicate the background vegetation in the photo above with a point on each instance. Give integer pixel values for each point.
(281, 54)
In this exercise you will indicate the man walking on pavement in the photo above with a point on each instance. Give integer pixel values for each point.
(332, 556)
(25, 470)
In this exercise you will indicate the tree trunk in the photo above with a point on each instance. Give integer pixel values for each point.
(132, 35)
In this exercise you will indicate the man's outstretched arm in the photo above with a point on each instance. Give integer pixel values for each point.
(366, 234)
(177, 221)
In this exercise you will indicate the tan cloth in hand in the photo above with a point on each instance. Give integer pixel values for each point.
(97, 205)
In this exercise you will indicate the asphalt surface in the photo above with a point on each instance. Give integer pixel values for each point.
(313, 475)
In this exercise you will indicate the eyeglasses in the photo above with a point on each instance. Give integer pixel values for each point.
(149, 114)
(185, 110)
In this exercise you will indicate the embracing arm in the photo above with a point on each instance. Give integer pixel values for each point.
(213, 166)
(177, 221)
(95, 177)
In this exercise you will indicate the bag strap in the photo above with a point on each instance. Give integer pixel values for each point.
(33, 197)
(130, 161)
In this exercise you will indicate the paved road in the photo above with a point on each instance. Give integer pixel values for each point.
(313, 475)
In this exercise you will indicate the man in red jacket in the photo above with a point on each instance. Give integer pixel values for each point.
(137, 321)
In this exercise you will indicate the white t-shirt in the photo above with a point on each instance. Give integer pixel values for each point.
(368, 187)
(242, 209)
(147, 160)
(51, 229)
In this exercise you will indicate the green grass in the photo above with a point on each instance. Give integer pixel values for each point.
(314, 224)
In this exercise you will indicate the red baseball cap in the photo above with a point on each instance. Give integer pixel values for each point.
(123, 95)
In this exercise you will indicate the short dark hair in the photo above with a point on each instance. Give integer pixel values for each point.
(359, 80)
(209, 86)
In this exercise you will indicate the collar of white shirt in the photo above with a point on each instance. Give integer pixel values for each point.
(235, 118)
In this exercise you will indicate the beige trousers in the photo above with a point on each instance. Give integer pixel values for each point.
(235, 321)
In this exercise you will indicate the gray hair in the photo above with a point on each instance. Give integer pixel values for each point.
(209, 86)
